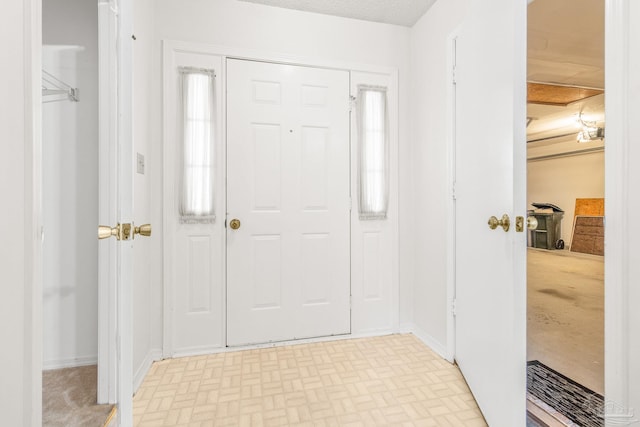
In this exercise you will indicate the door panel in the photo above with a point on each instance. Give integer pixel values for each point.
(194, 269)
(288, 264)
(489, 172)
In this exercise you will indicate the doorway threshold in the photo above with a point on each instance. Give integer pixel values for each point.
(544, 415)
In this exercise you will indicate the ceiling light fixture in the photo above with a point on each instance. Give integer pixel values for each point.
(590, 131)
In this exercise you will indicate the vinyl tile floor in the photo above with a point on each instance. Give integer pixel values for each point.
(392, 380)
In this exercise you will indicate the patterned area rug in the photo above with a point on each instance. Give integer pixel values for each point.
(576, 402)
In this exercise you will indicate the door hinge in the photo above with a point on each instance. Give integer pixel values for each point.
(455, 60)
(225, 223)
(350, 301)
(454, 194)
(352, 102)
(454, 307)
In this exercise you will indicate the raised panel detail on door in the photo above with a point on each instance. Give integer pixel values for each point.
(266, 275)
(372, 260)
(315, 275)
(199, 274)
(315, 168)
(288, 264)
(266, 166)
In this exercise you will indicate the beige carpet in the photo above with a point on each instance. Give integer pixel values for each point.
(69, 398)
(379, 381)
(565, 314)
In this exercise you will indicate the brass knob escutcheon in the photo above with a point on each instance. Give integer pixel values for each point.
(234, 224)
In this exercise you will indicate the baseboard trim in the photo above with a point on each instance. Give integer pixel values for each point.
(428, 340)
(75, 362)
(199, 351)
(152, 356)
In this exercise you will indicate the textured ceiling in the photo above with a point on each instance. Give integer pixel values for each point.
(398, 12)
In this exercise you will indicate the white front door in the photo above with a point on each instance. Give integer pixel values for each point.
(490, 171)
(288, 263)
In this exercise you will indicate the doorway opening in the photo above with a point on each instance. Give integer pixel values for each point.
(565, 193)
(70, 213)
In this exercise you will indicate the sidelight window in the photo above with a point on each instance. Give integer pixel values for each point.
(197, 148)
(373, 152)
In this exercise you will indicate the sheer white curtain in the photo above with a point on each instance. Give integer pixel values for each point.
(197, 174)
(373, 152)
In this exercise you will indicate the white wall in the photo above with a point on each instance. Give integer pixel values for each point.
(20, 294)
(283, 32)
(430, 189)
(561, 180)
(70, 179)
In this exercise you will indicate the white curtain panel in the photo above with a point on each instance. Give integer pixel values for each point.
(373, 152)
(197, 148)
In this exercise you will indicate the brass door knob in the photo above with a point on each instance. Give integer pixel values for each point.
(234, 224)
(503, 222)
(532, 222)
(143, 230)
(104, 231)
(123, 231)
(120, 231)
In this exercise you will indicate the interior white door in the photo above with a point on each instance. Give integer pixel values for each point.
(125, 201)
(107, 206)
(116, 188)
(490, 168)
(288, 263)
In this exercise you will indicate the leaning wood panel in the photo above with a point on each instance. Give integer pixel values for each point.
(588, 235)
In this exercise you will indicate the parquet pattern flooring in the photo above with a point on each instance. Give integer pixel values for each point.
(392, 380)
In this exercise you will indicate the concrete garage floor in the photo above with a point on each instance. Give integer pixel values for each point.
(565, 314)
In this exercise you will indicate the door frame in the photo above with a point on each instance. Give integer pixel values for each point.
(32, 395)
(616, 259)
(169, 47)
(33, 232)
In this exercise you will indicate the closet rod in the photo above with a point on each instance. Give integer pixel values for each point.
(52, 86)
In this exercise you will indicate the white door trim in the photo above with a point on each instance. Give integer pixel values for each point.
(33, 237)
(107, 194)
(266, 56)
(617, 369)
